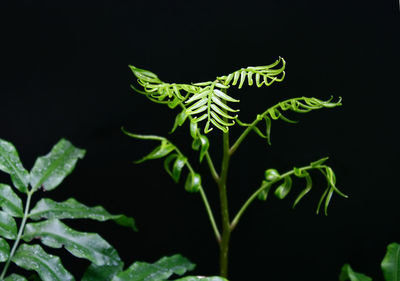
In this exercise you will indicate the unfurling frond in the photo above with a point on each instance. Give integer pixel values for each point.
(298, 105)
(272, 178)
(174, 160)
(205, 100)
(262, 75)
(211, 104)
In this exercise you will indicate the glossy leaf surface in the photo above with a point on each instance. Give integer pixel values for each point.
(15, 277)
(102, 272)
(193, 182)
(55, 234)
(10, 202)
(11, 164)
(4, 250)
(160, 270)
(72, 209)
(391, 263)
(48, 267)
(347, 274)
(8, 227)
(50, 170)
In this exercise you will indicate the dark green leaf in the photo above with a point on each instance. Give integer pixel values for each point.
(15, 277)
(8, 227)
(271, 174)
(11, 164)
(10, 202)
(178, 166)
(264, 193)
(50, 170)
(55, 234)
(48, 267)
(103, 272)
(179, 120)
(160, 151)
(391, 263)
(201, 278)
(318, 162)
(283, 189)
(268, 124)
(167, 163)
(72, 209)
(193, 129)
(306, 189)
(193, 182)
(347, 274)
(205, 144)
(158, 271)
(4, 250)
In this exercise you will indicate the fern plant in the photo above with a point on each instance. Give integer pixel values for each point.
(42, 223)
(207, 106)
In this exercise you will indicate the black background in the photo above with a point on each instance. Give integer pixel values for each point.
(64, 74)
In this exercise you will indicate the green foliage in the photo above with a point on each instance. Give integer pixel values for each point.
(161, 270)
(390, 266)
(210, 102)
(47, 174)
(206, 100)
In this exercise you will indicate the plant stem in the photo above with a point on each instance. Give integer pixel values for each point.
(20, 231)
(226, 229)
(213, 172)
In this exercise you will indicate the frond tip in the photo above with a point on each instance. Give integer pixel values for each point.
(263, 75)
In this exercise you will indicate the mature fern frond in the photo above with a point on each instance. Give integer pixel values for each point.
(263, 75)
(298, 105)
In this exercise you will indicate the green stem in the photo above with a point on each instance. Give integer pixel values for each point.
(210, 163)
(226, 229)
(255, 194)
(204, 198)
(242, 137)
(20, 231)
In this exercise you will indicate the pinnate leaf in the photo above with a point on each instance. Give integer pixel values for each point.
(72, 209)
(55, 234)
(10, 202)
(48, 267)
(50, 170)
(391, 263)
(8, 227)
(4, 250)
(347, 274)
(158, 271)
(11, 164)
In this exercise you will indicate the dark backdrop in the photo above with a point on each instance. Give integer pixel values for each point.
(64, 74)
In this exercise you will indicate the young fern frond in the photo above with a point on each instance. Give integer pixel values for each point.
(211, 104)
(298, 105)
(206, 100)
(263, 75)
(272, 177)
(174, 161)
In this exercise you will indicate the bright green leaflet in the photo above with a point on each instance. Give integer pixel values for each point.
(207, 105)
